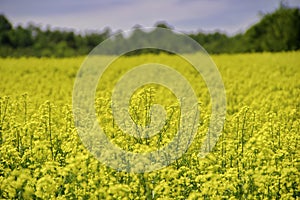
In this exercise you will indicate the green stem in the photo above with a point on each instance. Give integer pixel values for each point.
(50, 129)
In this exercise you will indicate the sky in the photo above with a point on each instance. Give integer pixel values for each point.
(228, 16)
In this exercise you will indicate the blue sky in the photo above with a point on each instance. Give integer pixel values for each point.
(230, 16)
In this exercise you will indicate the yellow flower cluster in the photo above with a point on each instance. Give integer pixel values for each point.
(256, 156)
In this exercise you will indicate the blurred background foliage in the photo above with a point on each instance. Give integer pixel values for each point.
(277, 31)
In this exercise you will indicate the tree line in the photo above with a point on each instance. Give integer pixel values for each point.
(276, 31)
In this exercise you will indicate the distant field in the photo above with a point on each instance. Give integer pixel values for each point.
(256, 157)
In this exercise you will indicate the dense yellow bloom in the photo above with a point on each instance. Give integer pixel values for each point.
(256, 157)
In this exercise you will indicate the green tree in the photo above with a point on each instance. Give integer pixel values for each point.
(278, 31)
(20, 37)
(5, 25)
(163, 24)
